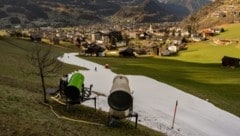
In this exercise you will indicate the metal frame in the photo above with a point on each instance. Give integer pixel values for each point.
(84, 96)
(131, 114)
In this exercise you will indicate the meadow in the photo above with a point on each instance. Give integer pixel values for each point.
(232, 31)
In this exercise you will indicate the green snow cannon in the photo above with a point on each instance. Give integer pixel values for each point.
(75, 86)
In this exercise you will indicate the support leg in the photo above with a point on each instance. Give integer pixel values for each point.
(136, 118)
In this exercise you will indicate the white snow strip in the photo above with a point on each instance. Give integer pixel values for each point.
(155, 102)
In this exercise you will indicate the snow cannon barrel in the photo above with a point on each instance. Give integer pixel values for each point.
(120, 99)
(75, 86)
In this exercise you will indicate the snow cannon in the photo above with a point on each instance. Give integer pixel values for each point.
(120, 100)
(75, 86)
(75, 91)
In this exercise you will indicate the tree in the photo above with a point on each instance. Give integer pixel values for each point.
(126, 38)
(44, 65)
(193, 24)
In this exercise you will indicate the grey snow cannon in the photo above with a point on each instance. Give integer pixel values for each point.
(120, 100)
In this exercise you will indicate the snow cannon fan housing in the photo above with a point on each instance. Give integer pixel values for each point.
(75, 86)
(120, 99)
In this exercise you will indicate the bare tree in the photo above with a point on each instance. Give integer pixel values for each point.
(44, 65)
(193, 24)
(126, 38)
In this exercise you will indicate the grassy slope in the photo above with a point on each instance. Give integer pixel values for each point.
(208, 52)
(197, 70)
(232, 32)
(21, 111)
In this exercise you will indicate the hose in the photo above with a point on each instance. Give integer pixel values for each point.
(67, 118)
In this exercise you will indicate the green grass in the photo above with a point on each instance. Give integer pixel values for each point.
(197, 71)
(232, 32)
(13, 57)
(22, 112)
(207, 52)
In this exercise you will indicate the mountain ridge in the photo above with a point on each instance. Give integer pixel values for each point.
(73, 12)
(215, 14)
(191, 5)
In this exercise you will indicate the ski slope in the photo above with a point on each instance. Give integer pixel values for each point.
(155, 102)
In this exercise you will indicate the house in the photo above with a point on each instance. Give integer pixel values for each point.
(217, 30)
(56, 40)
(132, 34)
(177, 40)
(230, 61)
(142, 35)
(208, 32)
(36, 37)
(197, 38)
(97, 36)
(185, 33)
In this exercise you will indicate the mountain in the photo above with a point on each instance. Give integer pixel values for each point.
(73, 12)
(153, 11)
(55, 12)
(216, 13)
(191, 5)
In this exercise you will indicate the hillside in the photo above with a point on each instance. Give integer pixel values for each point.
(191, 5)
(217, 13)
(22, 111)
(30, 13)
(153, 11)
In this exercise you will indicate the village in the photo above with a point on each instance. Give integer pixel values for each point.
(115, 40)
(128, 38)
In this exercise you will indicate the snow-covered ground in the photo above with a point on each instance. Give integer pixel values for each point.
(155, 102)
